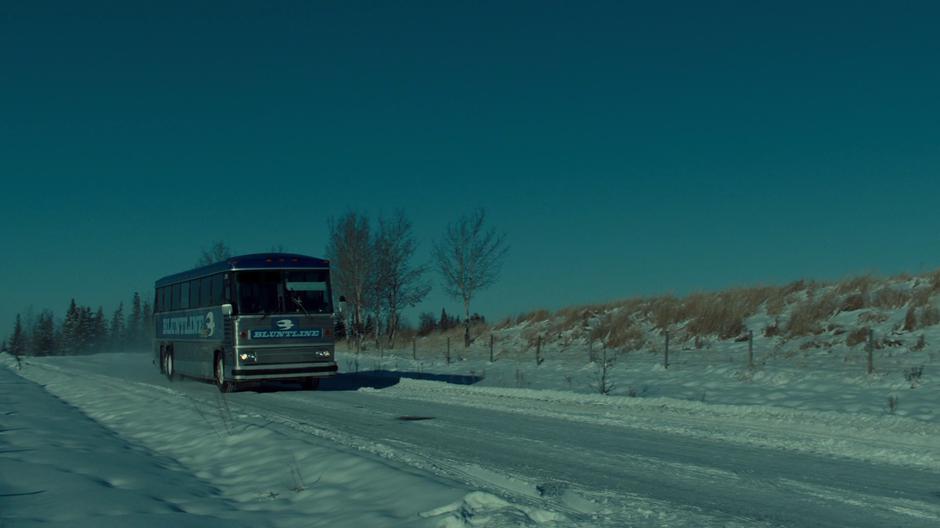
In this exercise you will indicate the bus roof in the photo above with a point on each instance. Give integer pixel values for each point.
(253, 261)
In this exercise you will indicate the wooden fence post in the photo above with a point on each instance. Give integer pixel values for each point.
(666, 351)
(491, 347)
(538, 350)
(414, 348)
(750, 349)
(447, 356)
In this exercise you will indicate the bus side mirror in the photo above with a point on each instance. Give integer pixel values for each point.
(226, 310)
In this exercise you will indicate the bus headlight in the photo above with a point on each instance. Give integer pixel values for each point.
(323, 354)
(247, 357)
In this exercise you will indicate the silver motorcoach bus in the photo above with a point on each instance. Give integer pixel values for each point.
(251, 318)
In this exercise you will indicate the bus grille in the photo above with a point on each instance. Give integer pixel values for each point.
(279, 356)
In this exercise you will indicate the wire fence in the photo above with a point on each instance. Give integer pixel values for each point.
(873, 357)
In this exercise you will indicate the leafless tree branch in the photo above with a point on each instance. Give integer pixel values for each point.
(469, 258)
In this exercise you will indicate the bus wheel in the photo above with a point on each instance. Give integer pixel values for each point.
(311, 383)
(169, 368)
(224, 386)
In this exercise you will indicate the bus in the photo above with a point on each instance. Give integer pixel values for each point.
(245, 320)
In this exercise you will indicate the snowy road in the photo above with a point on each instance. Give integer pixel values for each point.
(728, 482)
(589, 463)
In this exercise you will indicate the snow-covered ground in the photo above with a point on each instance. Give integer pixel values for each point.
(431, 444)
(58, 467)
(103, 450)
(784, 378)
(824, 370)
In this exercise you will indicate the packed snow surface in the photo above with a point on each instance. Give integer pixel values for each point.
(105, 440)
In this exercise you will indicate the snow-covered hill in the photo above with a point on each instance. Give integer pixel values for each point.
(809, 350)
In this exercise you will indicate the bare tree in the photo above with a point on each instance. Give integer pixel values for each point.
(217, 252)
(349, 251)
(399, 283)
(374, 302)
(469, 258)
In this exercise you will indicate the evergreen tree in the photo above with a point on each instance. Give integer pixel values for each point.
(426, 323)
(29, 323)
(133, 323)
(447, 321)
(69, 339)
(147, 330)
(85, 334)
(43, 342)
(444, 322)
(117, 333)
(18, 340)
(99, 334)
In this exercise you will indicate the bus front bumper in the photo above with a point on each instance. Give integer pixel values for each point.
(272, 372)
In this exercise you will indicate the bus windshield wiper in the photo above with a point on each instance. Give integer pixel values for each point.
(300, 303)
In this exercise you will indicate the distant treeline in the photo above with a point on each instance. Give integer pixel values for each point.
(372, 270)
(428, 323)
(82, 330)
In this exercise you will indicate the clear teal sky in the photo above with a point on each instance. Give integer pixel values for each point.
(625, 148)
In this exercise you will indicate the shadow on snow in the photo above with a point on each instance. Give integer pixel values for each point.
(373, 379)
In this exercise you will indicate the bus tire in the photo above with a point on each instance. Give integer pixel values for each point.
(169, 366)
(219, 371)
(311, 383)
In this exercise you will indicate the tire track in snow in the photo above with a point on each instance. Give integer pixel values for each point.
(643, 485)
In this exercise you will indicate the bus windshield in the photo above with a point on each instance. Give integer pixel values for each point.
(283, 291)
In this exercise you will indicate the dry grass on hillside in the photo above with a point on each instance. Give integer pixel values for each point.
(859, 285)
(722, 314)
(619, 329)
(890, 298)
(807, 317)
(798, 309)
(857, 336)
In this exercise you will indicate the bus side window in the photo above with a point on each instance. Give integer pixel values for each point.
(204, 290)
(158, 300)
(223, 282)
(184, 295)
(216, 281)
(194, 294)
(175, 297)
